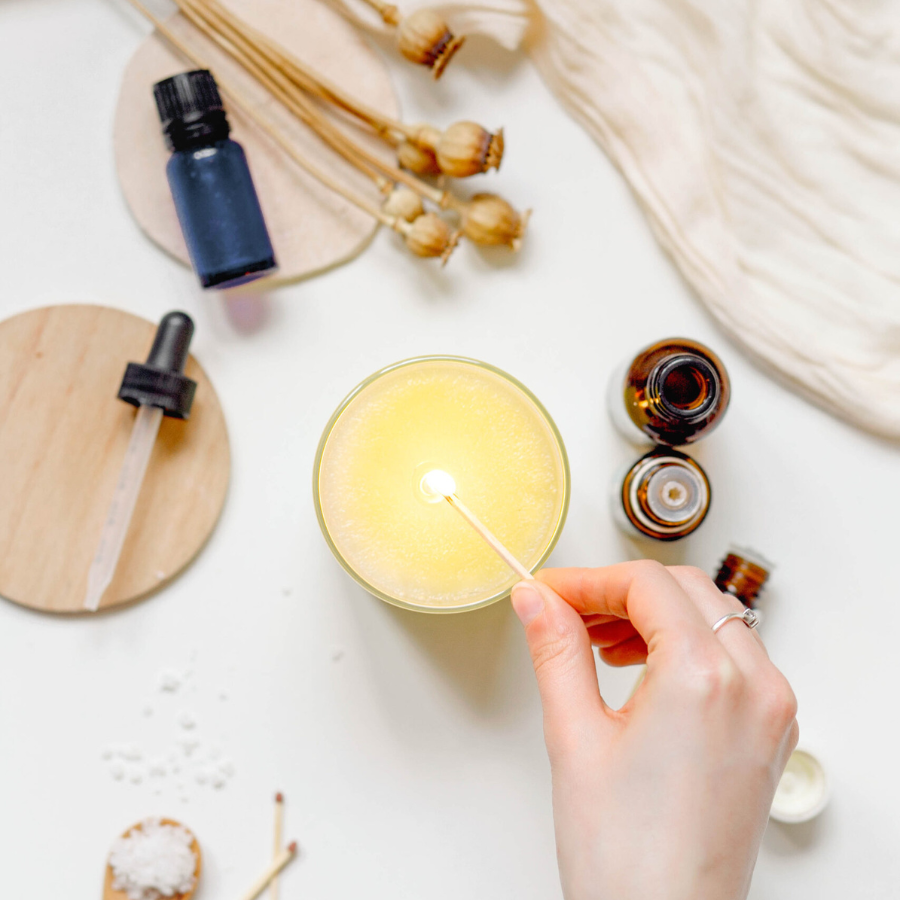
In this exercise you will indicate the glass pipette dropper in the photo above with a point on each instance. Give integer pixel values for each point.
(157, 387)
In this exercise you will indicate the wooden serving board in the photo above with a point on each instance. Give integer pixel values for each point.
(63, 435)
(311, 227)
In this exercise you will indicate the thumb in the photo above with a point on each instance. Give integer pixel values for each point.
(564, 665)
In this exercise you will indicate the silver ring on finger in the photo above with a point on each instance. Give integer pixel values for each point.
(748, 617)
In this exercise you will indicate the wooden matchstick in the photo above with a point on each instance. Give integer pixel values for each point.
(279, 824)
(488, 536)
(277, 864)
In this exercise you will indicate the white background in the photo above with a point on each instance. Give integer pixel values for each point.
(412, 763)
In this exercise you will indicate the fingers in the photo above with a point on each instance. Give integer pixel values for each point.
(607, 635)
(596, 619)
(563, 660)
(644, 592)
(743, 644)
(626, 653)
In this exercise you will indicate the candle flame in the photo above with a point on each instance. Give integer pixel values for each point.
(438, 483)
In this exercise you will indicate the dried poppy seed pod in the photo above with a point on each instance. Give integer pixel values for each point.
(489, 219)
(430, 235)
(403, 203)
(425, 38)
(417, 159)
(427, 138)
(466, 148)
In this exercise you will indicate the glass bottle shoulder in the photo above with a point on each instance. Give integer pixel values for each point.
(215, 154)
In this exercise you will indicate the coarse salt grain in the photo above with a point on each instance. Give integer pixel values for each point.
(153, 860)
(170, 680)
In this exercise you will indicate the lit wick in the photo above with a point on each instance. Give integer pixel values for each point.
(438, 483)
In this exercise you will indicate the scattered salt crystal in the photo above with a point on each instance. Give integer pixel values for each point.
(130, 762)
(170, 680)
(160, 575)
(153, 860)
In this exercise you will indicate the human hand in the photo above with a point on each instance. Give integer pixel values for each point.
(666, 798)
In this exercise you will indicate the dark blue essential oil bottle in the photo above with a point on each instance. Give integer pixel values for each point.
(214, 196)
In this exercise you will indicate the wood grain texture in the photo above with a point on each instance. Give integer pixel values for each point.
(312, 228)
(63, 435)
(110, 894)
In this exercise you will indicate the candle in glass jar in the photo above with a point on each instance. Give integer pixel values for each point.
(401, 541)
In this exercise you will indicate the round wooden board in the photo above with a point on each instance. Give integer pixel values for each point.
(311, 227)
(63, 435)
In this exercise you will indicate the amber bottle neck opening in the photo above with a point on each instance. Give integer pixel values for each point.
(665, 494)
(684, 388)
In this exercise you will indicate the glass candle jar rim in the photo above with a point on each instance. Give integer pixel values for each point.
(345, 403)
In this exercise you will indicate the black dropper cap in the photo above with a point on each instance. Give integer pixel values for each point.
(190, 110)
(160, 381)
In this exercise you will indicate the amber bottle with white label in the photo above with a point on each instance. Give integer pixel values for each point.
(664, 496)
(673, 392)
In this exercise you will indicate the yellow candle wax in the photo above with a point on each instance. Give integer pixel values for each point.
(480, 426)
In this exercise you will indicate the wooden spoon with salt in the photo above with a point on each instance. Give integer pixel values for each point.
(110, 894)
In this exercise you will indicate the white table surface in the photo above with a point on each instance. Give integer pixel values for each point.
(408, 746)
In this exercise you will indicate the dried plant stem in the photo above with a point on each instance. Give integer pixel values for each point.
(228, 31)
(312, 82)
(207, 20)
(388, 12)
(246, 104)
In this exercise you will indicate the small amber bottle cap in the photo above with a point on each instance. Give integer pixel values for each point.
(743, 573)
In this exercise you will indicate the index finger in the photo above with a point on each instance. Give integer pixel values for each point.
(642, 591)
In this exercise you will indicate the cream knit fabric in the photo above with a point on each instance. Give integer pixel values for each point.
(762, 139)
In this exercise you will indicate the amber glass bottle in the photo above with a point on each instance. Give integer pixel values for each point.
(665, 496)
(673, 392)
(743, 573)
